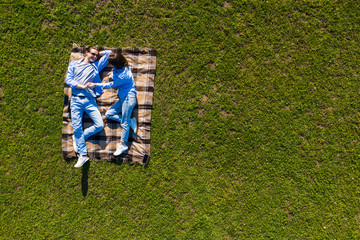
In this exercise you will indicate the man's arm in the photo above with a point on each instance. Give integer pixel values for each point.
(70, 77)
(104, 59)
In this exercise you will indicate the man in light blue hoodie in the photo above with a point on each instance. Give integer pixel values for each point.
(81, 75)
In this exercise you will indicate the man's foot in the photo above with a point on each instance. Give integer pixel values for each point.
(74, 144)
(120, 148)
(133, 124)
(81, 161)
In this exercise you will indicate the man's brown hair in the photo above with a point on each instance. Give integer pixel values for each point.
(97, 48)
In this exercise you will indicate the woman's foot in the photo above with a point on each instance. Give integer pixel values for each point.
(120, 148)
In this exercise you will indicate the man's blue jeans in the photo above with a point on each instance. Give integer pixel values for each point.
(78, 106)
(121, 112)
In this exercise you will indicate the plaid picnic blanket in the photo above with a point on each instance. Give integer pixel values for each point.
(103, 144)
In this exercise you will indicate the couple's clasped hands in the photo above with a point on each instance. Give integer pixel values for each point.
(90, 85)
(85, 86)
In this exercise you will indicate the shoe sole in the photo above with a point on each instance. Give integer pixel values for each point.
(120, 153)
(81, 164)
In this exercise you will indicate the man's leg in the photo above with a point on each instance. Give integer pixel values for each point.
(93, 111)
(77, 110)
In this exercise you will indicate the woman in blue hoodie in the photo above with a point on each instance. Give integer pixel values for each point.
(122, 109)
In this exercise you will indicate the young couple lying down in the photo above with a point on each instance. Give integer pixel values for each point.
(84, 80)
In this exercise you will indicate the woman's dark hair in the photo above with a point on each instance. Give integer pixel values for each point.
(118, 60)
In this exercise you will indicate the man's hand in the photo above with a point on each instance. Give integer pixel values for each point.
(81, 86)
(101, 53)
(90, 85)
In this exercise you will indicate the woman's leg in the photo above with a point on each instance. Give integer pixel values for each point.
(127, 108)
(114, 112)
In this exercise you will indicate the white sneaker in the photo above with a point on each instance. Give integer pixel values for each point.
(133, 124)
(74, 144)
(120, 149)
(81, 161)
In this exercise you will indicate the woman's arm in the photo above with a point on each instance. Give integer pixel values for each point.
(117, 81)
(107, 85)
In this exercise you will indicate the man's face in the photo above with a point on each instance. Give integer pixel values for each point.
(92, 55)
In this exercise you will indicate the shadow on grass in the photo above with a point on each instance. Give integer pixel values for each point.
(120, 160)
(125, 159)
(84, 179)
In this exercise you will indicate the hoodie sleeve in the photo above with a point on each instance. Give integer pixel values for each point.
(70, 75)
(104, 60)
(117, 81)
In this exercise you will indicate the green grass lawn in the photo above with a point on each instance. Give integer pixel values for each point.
(255, 121)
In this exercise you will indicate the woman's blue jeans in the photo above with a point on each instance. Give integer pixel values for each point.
(121, 112)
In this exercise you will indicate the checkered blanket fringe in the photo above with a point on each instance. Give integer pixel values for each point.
(103, 144)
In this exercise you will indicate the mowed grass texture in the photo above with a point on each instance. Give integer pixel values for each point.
(255, 123)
